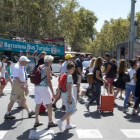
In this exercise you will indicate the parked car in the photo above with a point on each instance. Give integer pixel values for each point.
(85, 72)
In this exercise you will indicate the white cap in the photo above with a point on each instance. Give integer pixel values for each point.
(24, 58)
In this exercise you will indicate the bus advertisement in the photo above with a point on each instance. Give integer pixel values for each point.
(13, 49)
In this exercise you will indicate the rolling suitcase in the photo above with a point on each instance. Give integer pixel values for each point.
(107, 102)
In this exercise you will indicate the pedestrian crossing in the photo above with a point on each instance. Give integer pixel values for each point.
(81, 134)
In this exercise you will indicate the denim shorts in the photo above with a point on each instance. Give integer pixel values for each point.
(69, 108)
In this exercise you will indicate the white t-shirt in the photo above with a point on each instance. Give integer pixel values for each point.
(18, 71)
(64, 68)
(91, 69)
(131, 73)
(2, 69)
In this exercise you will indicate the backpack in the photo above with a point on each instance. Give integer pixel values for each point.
(126, 77)
(63, 82)
(35, 76)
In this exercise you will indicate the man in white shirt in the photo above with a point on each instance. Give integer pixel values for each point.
(2, 75)
(19, 87)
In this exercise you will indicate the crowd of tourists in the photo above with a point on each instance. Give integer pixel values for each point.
(105, 71)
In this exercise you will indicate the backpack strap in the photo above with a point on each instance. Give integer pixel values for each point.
(40, 70)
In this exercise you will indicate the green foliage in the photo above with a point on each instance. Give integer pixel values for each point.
(49, 18)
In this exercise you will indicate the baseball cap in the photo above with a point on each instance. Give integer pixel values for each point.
(24, 58)
(107, 54)
(68, 56)
(4, 56)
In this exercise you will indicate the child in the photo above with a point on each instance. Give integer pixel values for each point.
(68, 99)
(8, 72)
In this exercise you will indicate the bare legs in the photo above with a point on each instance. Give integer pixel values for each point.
(49, 107)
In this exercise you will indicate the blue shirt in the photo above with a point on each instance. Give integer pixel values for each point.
(8, 69)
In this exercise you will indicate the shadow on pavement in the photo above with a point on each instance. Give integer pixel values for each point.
(59, 114)
(25, 135)
(7, 124)
(131, 118)
(95, 115)
(65, 135)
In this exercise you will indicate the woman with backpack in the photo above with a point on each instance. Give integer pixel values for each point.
(68, 98)
(42, 92)
(131, 86)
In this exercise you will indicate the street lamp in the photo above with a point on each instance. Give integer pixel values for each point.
(132, 29)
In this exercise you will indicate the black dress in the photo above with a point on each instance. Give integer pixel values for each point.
(137, 92)
(120, 83)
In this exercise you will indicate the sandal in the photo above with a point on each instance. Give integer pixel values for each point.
(52, 124)
(38, 124)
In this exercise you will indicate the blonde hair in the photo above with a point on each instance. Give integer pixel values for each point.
(92, 62)
(48, 58)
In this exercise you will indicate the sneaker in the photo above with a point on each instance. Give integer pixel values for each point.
(54, 106)
(87, 106)
(31, 114)
(59, 123)
(70, 126)
(9, 117)
(63, 108)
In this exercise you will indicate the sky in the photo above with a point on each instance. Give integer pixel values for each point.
(107, 9)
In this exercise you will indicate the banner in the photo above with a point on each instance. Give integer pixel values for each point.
(17, 46)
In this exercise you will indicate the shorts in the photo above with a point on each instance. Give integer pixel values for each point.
(3, 81)
(69, 108)
(42, 94)
(79, 79)
(110, 80)
(17, 93)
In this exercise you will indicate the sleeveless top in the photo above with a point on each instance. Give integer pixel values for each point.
(43, 74)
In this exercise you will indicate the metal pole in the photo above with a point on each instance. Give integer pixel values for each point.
(132, 28)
